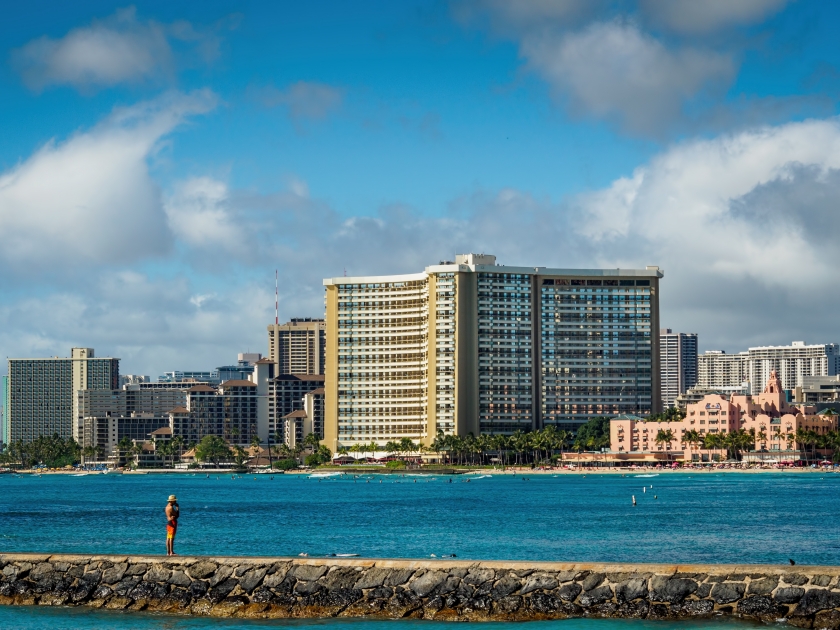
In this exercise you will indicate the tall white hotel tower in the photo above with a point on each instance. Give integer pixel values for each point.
(475, 347)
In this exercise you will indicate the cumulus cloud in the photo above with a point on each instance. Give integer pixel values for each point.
(613, 70)
(119, 49)
(640, 65)
(90, 200)
(197, 215)
(304, 100)
(692, 17)
(742, 224)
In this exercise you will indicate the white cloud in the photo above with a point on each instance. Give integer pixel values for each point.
(696, 17)
(90, 200)
(613, 70)
(743, 226)
(198, 215)
(305, 99)
(118, 49)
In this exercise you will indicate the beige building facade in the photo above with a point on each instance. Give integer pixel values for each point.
(297, 347)
(470, 346)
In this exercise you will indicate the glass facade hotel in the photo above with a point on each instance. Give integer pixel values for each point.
(474, 347)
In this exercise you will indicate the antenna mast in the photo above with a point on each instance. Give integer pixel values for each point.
(276, 301)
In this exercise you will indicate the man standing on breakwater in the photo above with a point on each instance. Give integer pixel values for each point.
(172, 513)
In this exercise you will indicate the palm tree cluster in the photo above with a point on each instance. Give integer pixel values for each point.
(522, 447)
(51, 451)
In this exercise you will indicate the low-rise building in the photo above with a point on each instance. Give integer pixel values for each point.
(774, 425)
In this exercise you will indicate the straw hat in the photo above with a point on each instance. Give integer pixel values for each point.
(172, 497)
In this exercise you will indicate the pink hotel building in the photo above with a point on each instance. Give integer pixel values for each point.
(768, 414)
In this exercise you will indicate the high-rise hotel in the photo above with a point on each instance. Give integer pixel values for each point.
(475, 347)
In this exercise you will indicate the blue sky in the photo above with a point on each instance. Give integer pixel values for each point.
(160, 160)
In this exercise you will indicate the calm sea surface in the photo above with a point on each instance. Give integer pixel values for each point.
(703, 517)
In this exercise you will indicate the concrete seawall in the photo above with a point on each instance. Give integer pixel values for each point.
(257, 587)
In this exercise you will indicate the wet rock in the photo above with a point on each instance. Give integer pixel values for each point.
(381, 592)
(596, 596)
(726, 593)
(816, 600)
(308, 573)
(504, 587)
(249, 581)
(465, 590)
(546, 603)
(634, 588)
(178, 598)
(633, 610)
(592, 580)
(118, 603)
(125, 585)
(762, 586)
(827, 619)
(102, 592)
(221, 590)
(143, 590)
(197, 589)
(695, 607)
(427, 582)
(449, 585)
(92, 576)
(671, 590)
(221, 574)
(508, 605)
(202, 570)
(262, 596)
(402, 604)
(569, 592)
(758, 606)
(307, 588)
(789, 594)
(539, 582)
(81, 592)
(333, 602)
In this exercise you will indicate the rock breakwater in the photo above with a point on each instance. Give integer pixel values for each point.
(255, 587)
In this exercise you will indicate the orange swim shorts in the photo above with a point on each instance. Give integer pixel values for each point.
(171, 528)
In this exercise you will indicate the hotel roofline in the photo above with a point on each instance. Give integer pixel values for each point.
(649, 272)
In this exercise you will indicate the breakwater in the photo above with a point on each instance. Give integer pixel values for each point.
(257, 587)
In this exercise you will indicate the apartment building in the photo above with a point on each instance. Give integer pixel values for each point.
(716, 369)
(131, 399)
(236, 410)
(678, 364)
(297, 347)
(286, 395)
(41, 392)
(471, 346)
(105, 432)
(793, 364)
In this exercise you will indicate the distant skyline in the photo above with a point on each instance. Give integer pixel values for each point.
(160, 160)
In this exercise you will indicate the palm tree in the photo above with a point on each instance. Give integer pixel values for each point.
(665, 437)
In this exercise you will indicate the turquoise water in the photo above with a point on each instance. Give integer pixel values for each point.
(705, 517)
(74, 618)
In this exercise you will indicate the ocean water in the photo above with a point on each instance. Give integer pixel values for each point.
(703, 517)
(46, 618)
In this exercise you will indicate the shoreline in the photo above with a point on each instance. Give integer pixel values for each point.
(510, 471)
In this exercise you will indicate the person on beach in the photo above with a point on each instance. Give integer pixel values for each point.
(172, 513)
